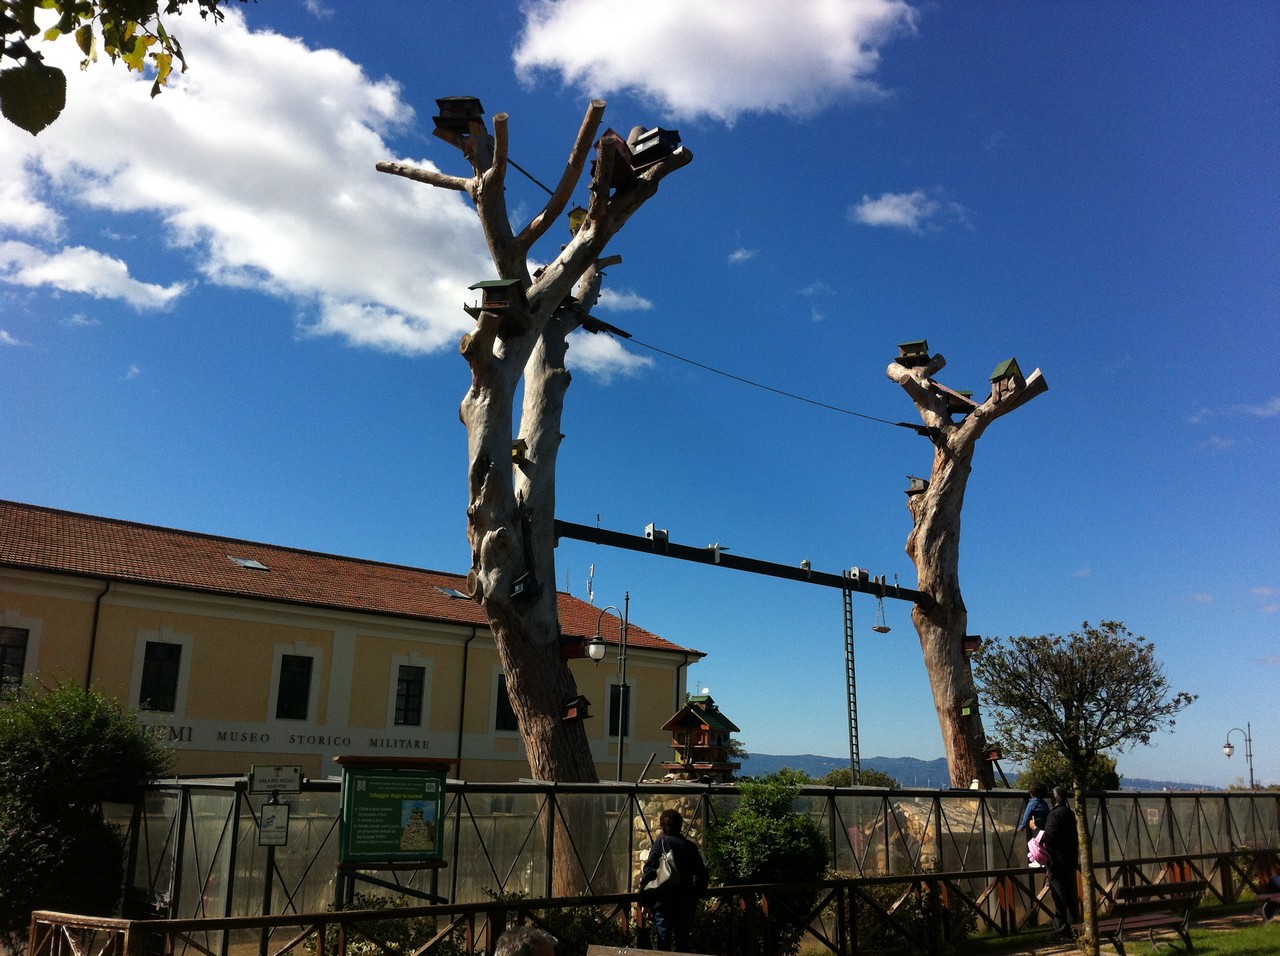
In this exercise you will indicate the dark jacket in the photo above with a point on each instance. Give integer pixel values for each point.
(693, 872)
(1061, 839)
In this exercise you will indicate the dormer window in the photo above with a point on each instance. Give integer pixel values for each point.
(251, 563)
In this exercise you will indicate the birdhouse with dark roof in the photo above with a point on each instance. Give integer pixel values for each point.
(913, 354)
(702, 738)
(621, 171)
(457, 113)
(650, 145)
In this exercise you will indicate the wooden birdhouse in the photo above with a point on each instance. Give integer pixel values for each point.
(972, 642)
(505, 297)
(917, 486)
(961, 403)
(576, 708)
(457, 113)
(622, 173)
(701, 736)
(913, 354)
(1006, 378)
(650, 145)
(519, 451)
(969, 708)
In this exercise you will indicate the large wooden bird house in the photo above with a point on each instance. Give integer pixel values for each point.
(701, 736)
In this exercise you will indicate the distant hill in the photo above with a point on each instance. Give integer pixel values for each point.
(908, 771)
(911, 771)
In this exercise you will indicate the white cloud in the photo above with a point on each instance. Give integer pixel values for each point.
(621, 300)
(258, 165)
(742, 255)
(7, 339)
(603, 356)
(714, 59)
(77, 269)
(1268, 409)
(132, 372)
(913, 211)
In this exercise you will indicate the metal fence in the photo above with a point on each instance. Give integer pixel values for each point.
(196, 854)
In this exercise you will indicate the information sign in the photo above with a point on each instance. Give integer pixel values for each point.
(273, 828)
(270, 778)
(392, 815)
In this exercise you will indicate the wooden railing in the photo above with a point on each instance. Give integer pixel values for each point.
(917, 911)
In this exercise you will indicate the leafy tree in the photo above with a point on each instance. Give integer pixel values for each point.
(1049, 767)
(1096, 690)
(843, 777)
(765, 841)
(63, 751)
(33, 94)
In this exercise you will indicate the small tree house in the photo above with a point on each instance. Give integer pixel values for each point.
(701, 738)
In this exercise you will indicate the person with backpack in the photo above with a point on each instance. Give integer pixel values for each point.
(672, 881)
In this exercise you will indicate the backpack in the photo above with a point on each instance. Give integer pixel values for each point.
(1036, 849)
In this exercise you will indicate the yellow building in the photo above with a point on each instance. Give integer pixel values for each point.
(257, 654)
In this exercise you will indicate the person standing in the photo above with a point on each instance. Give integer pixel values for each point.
(1063, 843)
(1034, 814)
(673, 903)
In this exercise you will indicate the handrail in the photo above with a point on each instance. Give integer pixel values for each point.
(766, 904)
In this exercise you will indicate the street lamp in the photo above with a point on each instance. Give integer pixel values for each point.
(1248, 749)
(595, 650)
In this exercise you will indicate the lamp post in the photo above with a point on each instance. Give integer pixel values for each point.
(595, 650)
(1248, 749)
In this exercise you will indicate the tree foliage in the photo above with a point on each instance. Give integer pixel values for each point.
(1096, 690)
(1049, 767)
(64, 751)
(33, 94)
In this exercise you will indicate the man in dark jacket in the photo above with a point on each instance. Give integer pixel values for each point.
(1063, 844)
(673, 903)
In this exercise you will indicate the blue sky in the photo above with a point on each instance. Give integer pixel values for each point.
(215, 315)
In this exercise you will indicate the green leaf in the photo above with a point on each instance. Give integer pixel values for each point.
(84, 39)
(32, 96)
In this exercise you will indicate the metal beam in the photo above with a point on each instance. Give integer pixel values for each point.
(713, 554)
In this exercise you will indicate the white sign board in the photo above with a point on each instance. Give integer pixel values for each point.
(273, 829)
(267, 778)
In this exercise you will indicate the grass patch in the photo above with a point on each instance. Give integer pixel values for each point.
(1245, 936)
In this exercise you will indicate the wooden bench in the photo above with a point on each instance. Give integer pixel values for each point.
(1151, 907)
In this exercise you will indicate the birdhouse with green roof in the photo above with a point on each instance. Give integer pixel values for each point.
(702, 737)
(506, 298)
(1006, 379)
(913, 354)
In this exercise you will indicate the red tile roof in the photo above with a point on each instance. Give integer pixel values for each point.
(63, 542)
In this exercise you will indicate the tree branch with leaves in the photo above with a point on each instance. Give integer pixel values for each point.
(1097, 690)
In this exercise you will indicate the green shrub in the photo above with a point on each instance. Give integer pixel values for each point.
(762, 841)
(64, 751)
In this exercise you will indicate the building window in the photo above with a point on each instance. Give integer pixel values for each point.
(13, 660)
(409, 688)
(615, 700)
(504, 717)
(161, 665)
(294, 694)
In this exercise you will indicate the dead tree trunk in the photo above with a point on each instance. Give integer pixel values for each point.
(934, 542)
(522, 326)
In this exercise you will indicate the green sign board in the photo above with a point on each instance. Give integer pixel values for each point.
(392, 815)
